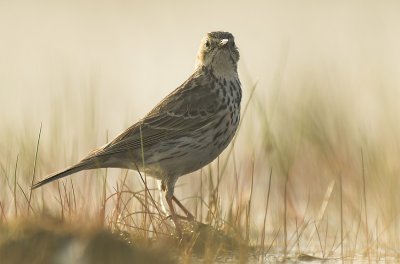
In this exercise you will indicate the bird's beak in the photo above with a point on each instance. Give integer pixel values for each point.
(222, 43)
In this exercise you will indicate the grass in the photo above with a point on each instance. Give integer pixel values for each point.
(304, 181)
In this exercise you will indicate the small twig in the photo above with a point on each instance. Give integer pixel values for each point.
(73, 193)
(322, 209)
(266, 212)
(341, 218)
(26, 197)
(15, 187)
(34, 168)
(319, 239)
(61, 200)
(285, 215)
(273, 240)
(365, 205)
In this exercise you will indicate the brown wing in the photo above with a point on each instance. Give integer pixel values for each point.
(191, 106)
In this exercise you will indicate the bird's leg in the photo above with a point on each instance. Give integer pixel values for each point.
(174, 216)
(189, 216)
(167, 185)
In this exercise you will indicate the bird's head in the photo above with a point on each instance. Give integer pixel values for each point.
(218, 51)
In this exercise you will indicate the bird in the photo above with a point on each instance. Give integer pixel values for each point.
(185, 131)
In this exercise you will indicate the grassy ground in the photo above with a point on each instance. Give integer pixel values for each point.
(312, 186)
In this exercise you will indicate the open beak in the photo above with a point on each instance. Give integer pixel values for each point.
(222, 43)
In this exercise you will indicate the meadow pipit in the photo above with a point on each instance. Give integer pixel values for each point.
(187, 130)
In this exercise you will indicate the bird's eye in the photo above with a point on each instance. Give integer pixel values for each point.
(207, 44)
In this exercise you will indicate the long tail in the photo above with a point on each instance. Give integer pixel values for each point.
(68, 171)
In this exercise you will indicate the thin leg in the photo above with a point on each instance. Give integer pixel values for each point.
(190, 217)
(167, 185)
(173, 214)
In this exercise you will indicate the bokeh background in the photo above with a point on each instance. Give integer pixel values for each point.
(325, 107)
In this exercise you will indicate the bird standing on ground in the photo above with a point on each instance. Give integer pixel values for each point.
(187, 130)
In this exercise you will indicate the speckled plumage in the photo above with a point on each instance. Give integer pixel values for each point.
(187, 130)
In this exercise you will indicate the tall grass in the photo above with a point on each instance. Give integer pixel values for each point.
(310, 145)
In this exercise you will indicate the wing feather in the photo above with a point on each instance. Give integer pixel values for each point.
(191, 106)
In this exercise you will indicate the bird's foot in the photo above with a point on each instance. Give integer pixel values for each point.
(189, 218)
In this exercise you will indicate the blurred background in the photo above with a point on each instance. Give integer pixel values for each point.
(325, 107)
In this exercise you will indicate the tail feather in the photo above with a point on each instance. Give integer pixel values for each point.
(62, 174)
